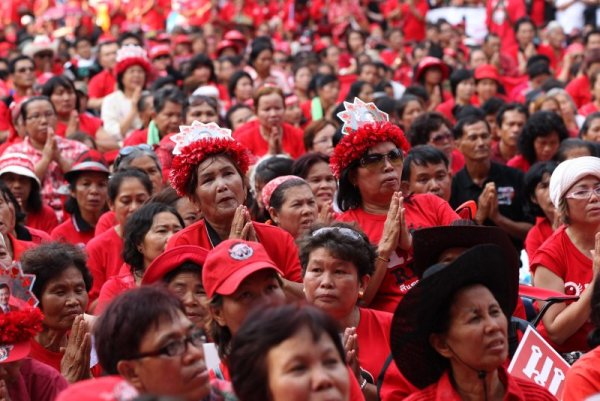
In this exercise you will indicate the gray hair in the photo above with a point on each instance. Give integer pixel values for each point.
(124, 161)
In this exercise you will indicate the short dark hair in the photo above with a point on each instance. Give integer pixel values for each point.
(353, 248)
(162, 96)
(248, 359)
(136, 228)
(233, 81)
(492, 105)
(12, 64)
(49, 259)
(457, 77)
(355, 89)
(574, 143)
(259, 45)
(532, 178)
(115, 181)
(8, 197)
(518, 107)
(311, 131)
(467, 121)
(587, 36)
(272, 167)
(540, 124)
(26, 103)
(424, 125)
(304, 163)
(588, 122)
(129, 35)
(278, 196)
(422, 155)
(232, 110)
(119, 331)
(197, 100)
(185, 267)
(60, 81)
(522, 21)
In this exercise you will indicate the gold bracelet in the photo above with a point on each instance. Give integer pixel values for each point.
(383, 259)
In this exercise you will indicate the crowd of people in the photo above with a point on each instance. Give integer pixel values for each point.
(289, 200)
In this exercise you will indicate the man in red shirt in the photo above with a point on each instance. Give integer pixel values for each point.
(103, 83)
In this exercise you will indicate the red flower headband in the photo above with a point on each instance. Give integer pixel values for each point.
(197, 142)
(20, 326)
(354, 145)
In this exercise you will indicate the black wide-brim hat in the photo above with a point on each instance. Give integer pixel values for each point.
(429, 243)
(421, 309)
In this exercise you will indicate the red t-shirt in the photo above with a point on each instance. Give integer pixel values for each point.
(68, 232)
(414, 29)
(278, 243)
(583, 379)
(559, 255)
(102, 84)
(555, 60)
(87, 123)
(44, 220)
(249, 135)
(137, 137)
(106, 221)
(580, 90)
(458, 161)
(36, 382)
(500, 17)
(421, 210)
(53, 359)
(519, 162)
(113, 287)
(588, 109)
(540, 232)
(446, 109)
(38, 236)
(104, 259)
(19, 246)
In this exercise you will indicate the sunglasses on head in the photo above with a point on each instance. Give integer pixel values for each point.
(377, 160)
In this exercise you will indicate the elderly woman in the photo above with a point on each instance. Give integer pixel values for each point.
(337, 262)
(453, 324)
(269, 134)
(88, 182)
(145, 236)
(145, 337)
(210, 170)
(304, 337)
(51, 155)
(291, 204)
(119, 109)
(127, 191)
(62, 282)
(17, 172)
(315, 169)
(180, 270)
(565, 263)
(368, 163)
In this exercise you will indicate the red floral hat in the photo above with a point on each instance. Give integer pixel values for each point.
(364, 127)
(16, 329)
(195, 143)
(130, 55)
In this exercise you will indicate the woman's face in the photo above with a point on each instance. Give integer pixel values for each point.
(304, 369)
(220, 189)
(542, 197)
(552, 105)
(546, 147)
(243, 89)
(302, 78)
(433, 76)
(378, 182)
(263, 62)
(239, 117)
(477, 334)
(270, 110)
(40, 118)
(356, 43)
(164, 225)
(584, 210)
(465, 90)
(7, 215)
(332, 284)
(322, 183)
(131, 196)
(593, 132)
(366, 93)
(188, 288)
(202, 113)
(188, 211)
(293, 114)
(329, 92)
(19, 185)
(64, 100)
(567, 110)
(298, 212)
(202, 75)
(412, 110)
(261, 286)
(134, 77)
(91, 192)
(63, 298)
(486, 88)
(147, 164)
(323, 140)
(186, 376)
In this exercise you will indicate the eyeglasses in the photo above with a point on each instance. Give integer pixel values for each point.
(177, 347)
(37, 117)
(377, 160)
(585, 193)
(441, 138)
(127, 150)
(346, 232)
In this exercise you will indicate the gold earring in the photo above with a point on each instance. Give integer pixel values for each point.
(361, 294)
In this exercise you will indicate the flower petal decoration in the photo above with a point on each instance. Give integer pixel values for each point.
(359, 113)
(189, 134)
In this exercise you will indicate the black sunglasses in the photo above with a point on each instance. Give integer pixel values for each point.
(377, 160)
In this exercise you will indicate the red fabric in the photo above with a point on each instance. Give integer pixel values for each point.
(87, 123)
(164, 152)
(458, 161)
(516, 389)
(250, 136)
(277, 242)
(503, 27)
(580, 90)
(588, 109)
(67, 232)
(104, 259)
(36, 382)
(446, 109)
(583, 379)
(41, 354)
(422, 210)
(137, 137)
(38, 236)
(519, 163)
(44, 220)
(113, 287)
(559, 255)
(107, 221)
(540, 232)
(102, 84)
(19, 246)
(414, 29)
(555, 60)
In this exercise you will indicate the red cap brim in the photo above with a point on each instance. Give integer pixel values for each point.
(231, 283)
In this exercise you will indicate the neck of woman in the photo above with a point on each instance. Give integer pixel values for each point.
(52, 339)
(222, 228)
(91, 217)
(350, 320)
(35, 144)
(375, 207)
(63, 118)
(472, 387)
(119, 230)
(583, 236)
(128, 92)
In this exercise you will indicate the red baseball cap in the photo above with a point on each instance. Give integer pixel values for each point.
(108, 388)
(428, 62)
(235, 35)
(90, 160)
(230, 262)
(160, 50)
(487, 71)
(181, 39)
(172, 259)
(226, 44)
